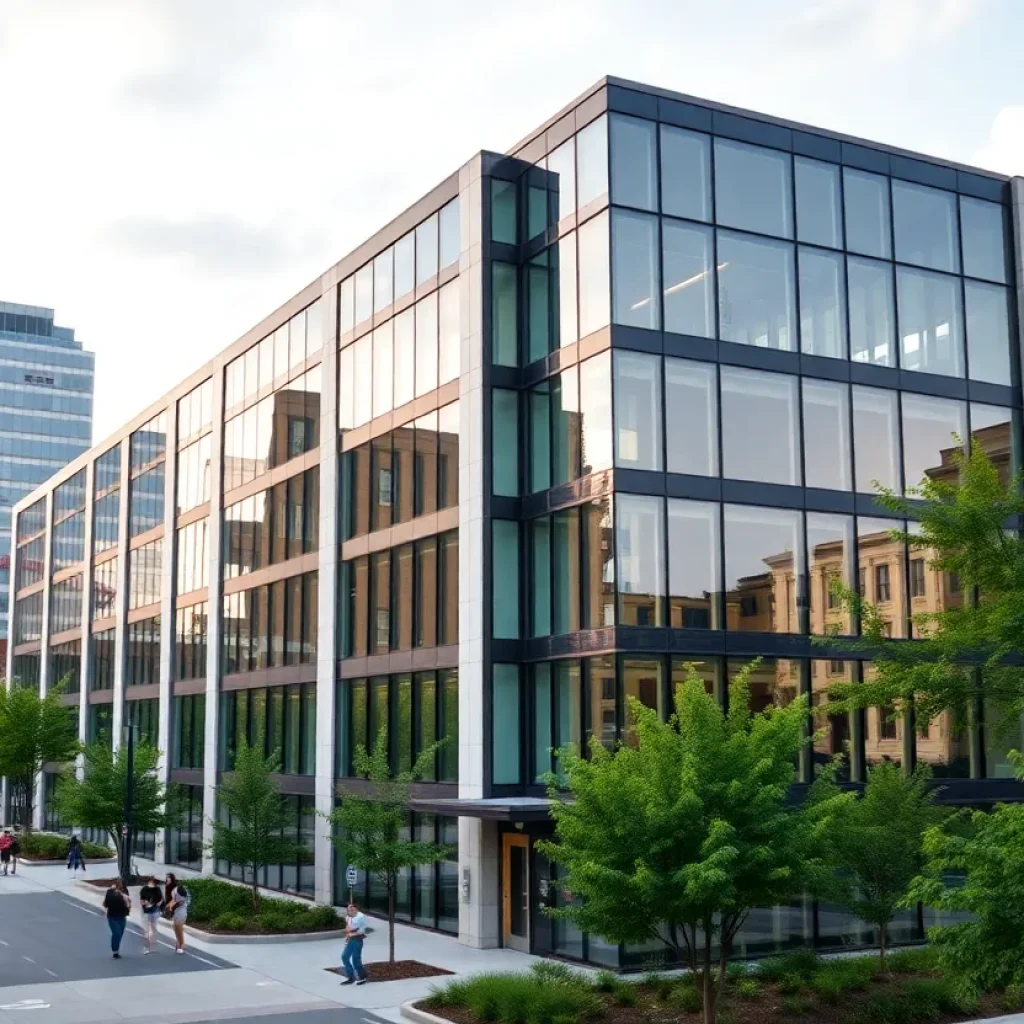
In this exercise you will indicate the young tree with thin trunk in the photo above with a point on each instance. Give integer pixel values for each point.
(96, 800)
(34, 731)
(255, 834)
(876, 842)
(678, 835)
(370, 820)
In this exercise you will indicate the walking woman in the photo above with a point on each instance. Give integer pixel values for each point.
(75, 858)
(151, 899)
(176, 900)
(117, 904)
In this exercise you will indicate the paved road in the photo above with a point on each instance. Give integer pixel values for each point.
(47, 937)
(339, 1015)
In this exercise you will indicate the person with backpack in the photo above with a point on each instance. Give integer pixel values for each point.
(15, 851)
(117, 904)
(5, 849)
(75, 858)
(176, 901)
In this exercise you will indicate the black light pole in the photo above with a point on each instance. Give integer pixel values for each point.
(129, 801)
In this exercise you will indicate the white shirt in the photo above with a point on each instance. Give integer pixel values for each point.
(357, 925)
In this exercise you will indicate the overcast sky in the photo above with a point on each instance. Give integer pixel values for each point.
(173, 170)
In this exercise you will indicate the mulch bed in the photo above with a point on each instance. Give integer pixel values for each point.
(768, 1008)
(400, 970)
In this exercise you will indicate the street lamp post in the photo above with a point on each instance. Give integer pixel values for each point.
(129, 801)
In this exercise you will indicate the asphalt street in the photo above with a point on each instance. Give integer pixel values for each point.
(339, 1015)
(47, 937)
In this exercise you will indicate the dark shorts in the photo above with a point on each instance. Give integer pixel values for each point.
(5, 855)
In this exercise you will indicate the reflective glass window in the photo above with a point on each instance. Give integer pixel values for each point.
(383, 280)
(448, 455)
(364, 293)
(503, 211)
(362, 405)
(346, 305)
(925, 226)
(565, 556)
(426, 250)
(540, 582)
(598, 565)
(505, 581)
(635, 269)
(426, 464)
(592, 162)
(866, 198)
(931, 322)
(596, 413)
(687, 254)
(753, 188)
(872, 313)
(505, 768)
(685, 174)
(760, 426)
(449, 242)
(756, 296)
(822, 304)
(826, 429)
(405, 356)
(505, 447)
(880, 570)
(537, 282)
(449, 334)
(988, 332)
(640, 554)
(383, 369)
(594, 284)
(505, 314)
(819, 219)
(876, 442)
(993, 427)
(566, 320)
(983, 238)
(691, 417)
(694, 573)
(562, 166)
(405, 265)
(426, 345)
(641, 681)
(638, 435)
(829, 558)
(634, 154)
(763, 567)
(928, 443)
(539, 398)
(565, 425)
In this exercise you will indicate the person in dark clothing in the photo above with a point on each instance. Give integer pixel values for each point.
(75, 858)
(15, 852)
(5, 849)
(152, 900)
(117, 904)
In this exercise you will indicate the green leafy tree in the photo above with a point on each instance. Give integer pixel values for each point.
(966, 652)
(974, 865)
(259, 818)
(369, 822)
(34, 731)
(875, 842)
(96, 800)
(676, 836)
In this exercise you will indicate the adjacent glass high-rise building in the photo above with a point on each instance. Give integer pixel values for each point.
(608, 405)
(46, 389)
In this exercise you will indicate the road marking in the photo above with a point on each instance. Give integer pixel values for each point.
(78, 906)
(52, 974)
(201, 959)
(2, 943)
(26, 1004)
(28, 958)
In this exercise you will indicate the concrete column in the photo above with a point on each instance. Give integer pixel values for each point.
(121, 604)
(163, 768)
(44, 663)
(478, 840)
(327, 589)
(8, 668)
(213, 623)
(85, 668)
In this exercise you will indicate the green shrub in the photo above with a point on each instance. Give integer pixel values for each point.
(790, 984)
(606, 981)
(519, 998)
(748, 988)
(624, 994)
(230, 923)
(919, 999)
(797, 963)
(213, 898)
(1013, 999)
(835, 978)
(796, 1006)
(688, 999)
(931, 996)
(557, 974)
(736, 971)
(47, 846)
(917, 960)
(660, 985)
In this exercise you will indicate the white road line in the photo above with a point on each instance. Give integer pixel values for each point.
(78, 906)
(202, 959)
(28, 958)
(52, 974)
(2, 943)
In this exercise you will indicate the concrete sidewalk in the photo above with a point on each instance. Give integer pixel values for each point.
(303, 965)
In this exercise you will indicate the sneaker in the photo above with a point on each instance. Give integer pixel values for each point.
(348, 981)
(146, 952)
(179, 951)
(117, 956)
(361, 981)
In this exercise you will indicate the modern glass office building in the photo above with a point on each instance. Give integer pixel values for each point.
(611, 403)
(46, 388)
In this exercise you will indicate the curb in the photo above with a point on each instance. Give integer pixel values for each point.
(410, 1011)
(59, 863)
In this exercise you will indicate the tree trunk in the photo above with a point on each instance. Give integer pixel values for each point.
(710, 992)
(255, 894)
(882, 936)
(391, 920)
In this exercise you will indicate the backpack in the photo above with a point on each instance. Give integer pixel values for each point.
(185, 895)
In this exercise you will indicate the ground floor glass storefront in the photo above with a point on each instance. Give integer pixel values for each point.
(185, 840)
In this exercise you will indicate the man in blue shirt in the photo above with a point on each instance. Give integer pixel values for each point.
(352, 956)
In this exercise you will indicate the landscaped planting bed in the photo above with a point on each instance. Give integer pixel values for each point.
(795, 986)
(47, 846)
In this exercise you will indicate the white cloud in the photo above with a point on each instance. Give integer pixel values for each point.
(1004, 150)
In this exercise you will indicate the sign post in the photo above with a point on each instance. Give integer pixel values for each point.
(351, 877)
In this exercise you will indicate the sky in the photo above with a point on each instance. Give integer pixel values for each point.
(171, 171)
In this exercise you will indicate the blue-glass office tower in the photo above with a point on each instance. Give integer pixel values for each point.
(46, 389)
(604, 406)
